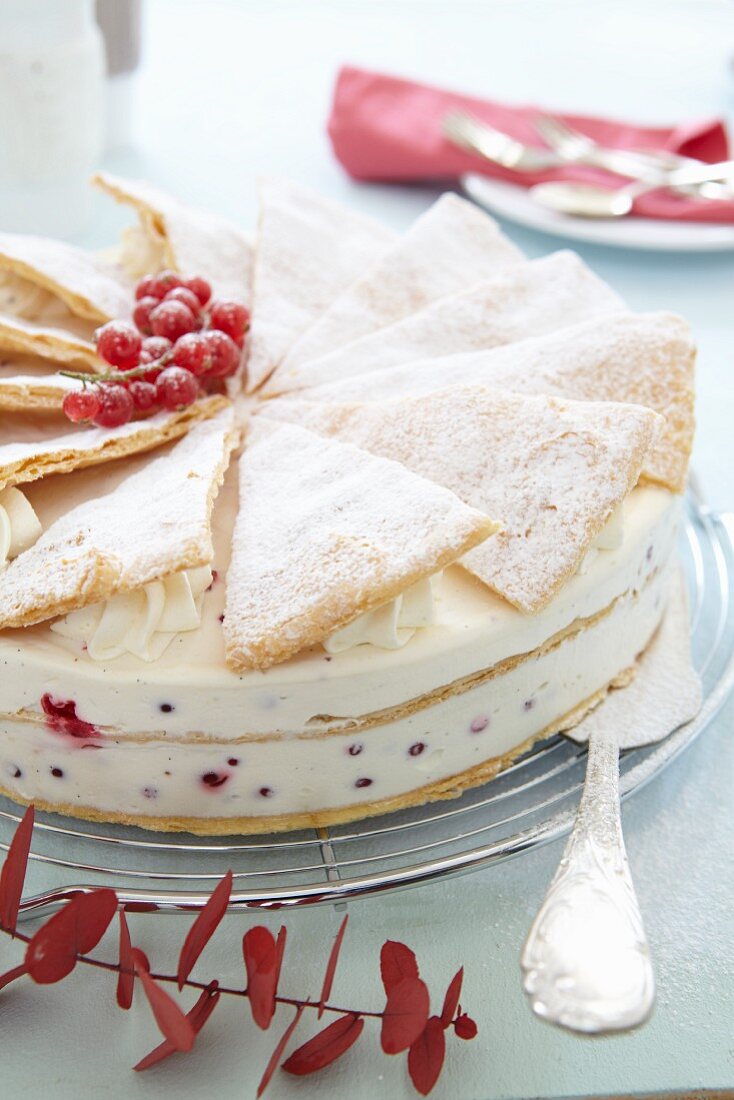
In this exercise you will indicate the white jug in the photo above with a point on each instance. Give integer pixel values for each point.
(51, 114)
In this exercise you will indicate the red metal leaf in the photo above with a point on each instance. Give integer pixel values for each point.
(325, 1047)
(278, 1052)
(465, 1027)
(11, 975)
(451, 1000)
(396, 962)
(12, 876)
(203, 928)
(126, 977)
(263, 958)
(198, 1016)
(405, 1015)
(331, 966)
(174, 1025)
(75, 930)
(426, 1055)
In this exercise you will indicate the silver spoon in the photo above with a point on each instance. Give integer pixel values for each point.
(586, 963)
(586, 200)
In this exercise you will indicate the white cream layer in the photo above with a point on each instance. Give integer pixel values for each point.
(313, 772)
(190, 690)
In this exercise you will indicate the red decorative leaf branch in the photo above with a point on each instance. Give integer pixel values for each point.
(13, 873)
(451, 1000)
(68, 937)
(203, 928)
(278, 1052)
(331, 966)
(174, 1026)
(75, 930)
(126, 977)
(405, 1015)
(197, 1017)
(426, 1055)
(263, 957)
(325, 1047)
(396, 962)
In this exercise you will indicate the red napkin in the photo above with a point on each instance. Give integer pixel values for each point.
(385, 128)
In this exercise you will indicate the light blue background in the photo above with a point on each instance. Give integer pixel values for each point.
(230, 90)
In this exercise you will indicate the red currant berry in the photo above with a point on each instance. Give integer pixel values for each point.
(189, 351)
(172, 319)
(144, 395)
(154, 347)
(229, 317)
(141, 314)
(143, 288)
(81, 405)
(176, 388)
(152, 374)
(115, 406)
(239, 341)
(181, 294)
(157, 286)
(200, 287)
(119, 343)
(222, 354)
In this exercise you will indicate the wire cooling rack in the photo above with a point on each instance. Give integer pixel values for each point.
(531, 803)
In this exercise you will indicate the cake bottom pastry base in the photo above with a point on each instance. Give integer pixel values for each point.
(433, 748)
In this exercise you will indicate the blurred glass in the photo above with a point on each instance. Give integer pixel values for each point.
(52, 72)
(120, 24)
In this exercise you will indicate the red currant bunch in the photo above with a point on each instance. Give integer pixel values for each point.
(180, 341)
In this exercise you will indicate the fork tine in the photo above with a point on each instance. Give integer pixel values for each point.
(468, 125)
(457, 124)
(554, 130)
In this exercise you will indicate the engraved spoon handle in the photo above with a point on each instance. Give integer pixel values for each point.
(586, 963)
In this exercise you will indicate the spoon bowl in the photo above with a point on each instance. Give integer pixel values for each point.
(584, 200)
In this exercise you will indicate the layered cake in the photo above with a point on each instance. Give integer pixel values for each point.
(422, 515)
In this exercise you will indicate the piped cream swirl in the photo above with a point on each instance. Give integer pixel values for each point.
(143, 622)
(610, 537)
(19, 525)
(390, 626)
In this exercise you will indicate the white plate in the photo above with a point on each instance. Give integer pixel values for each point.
(511, 201)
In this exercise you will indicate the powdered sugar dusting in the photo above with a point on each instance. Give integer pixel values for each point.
(87, 284)
(34, 391)
(326, 532)
(644, 359)
(550, 471)
(525, 299)
(21, 462)
(308, 250)
(196, 241)
(449, 247)
(155, 523)
(60, 346)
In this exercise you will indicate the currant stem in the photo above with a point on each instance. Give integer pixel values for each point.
(118, 375)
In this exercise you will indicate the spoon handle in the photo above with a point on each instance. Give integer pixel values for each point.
(586, 963)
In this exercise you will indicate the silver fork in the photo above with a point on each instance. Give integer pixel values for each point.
(479, 137)
(574, 147)
(474, 136)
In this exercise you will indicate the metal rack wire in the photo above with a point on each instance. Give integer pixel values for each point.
(529, 804)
